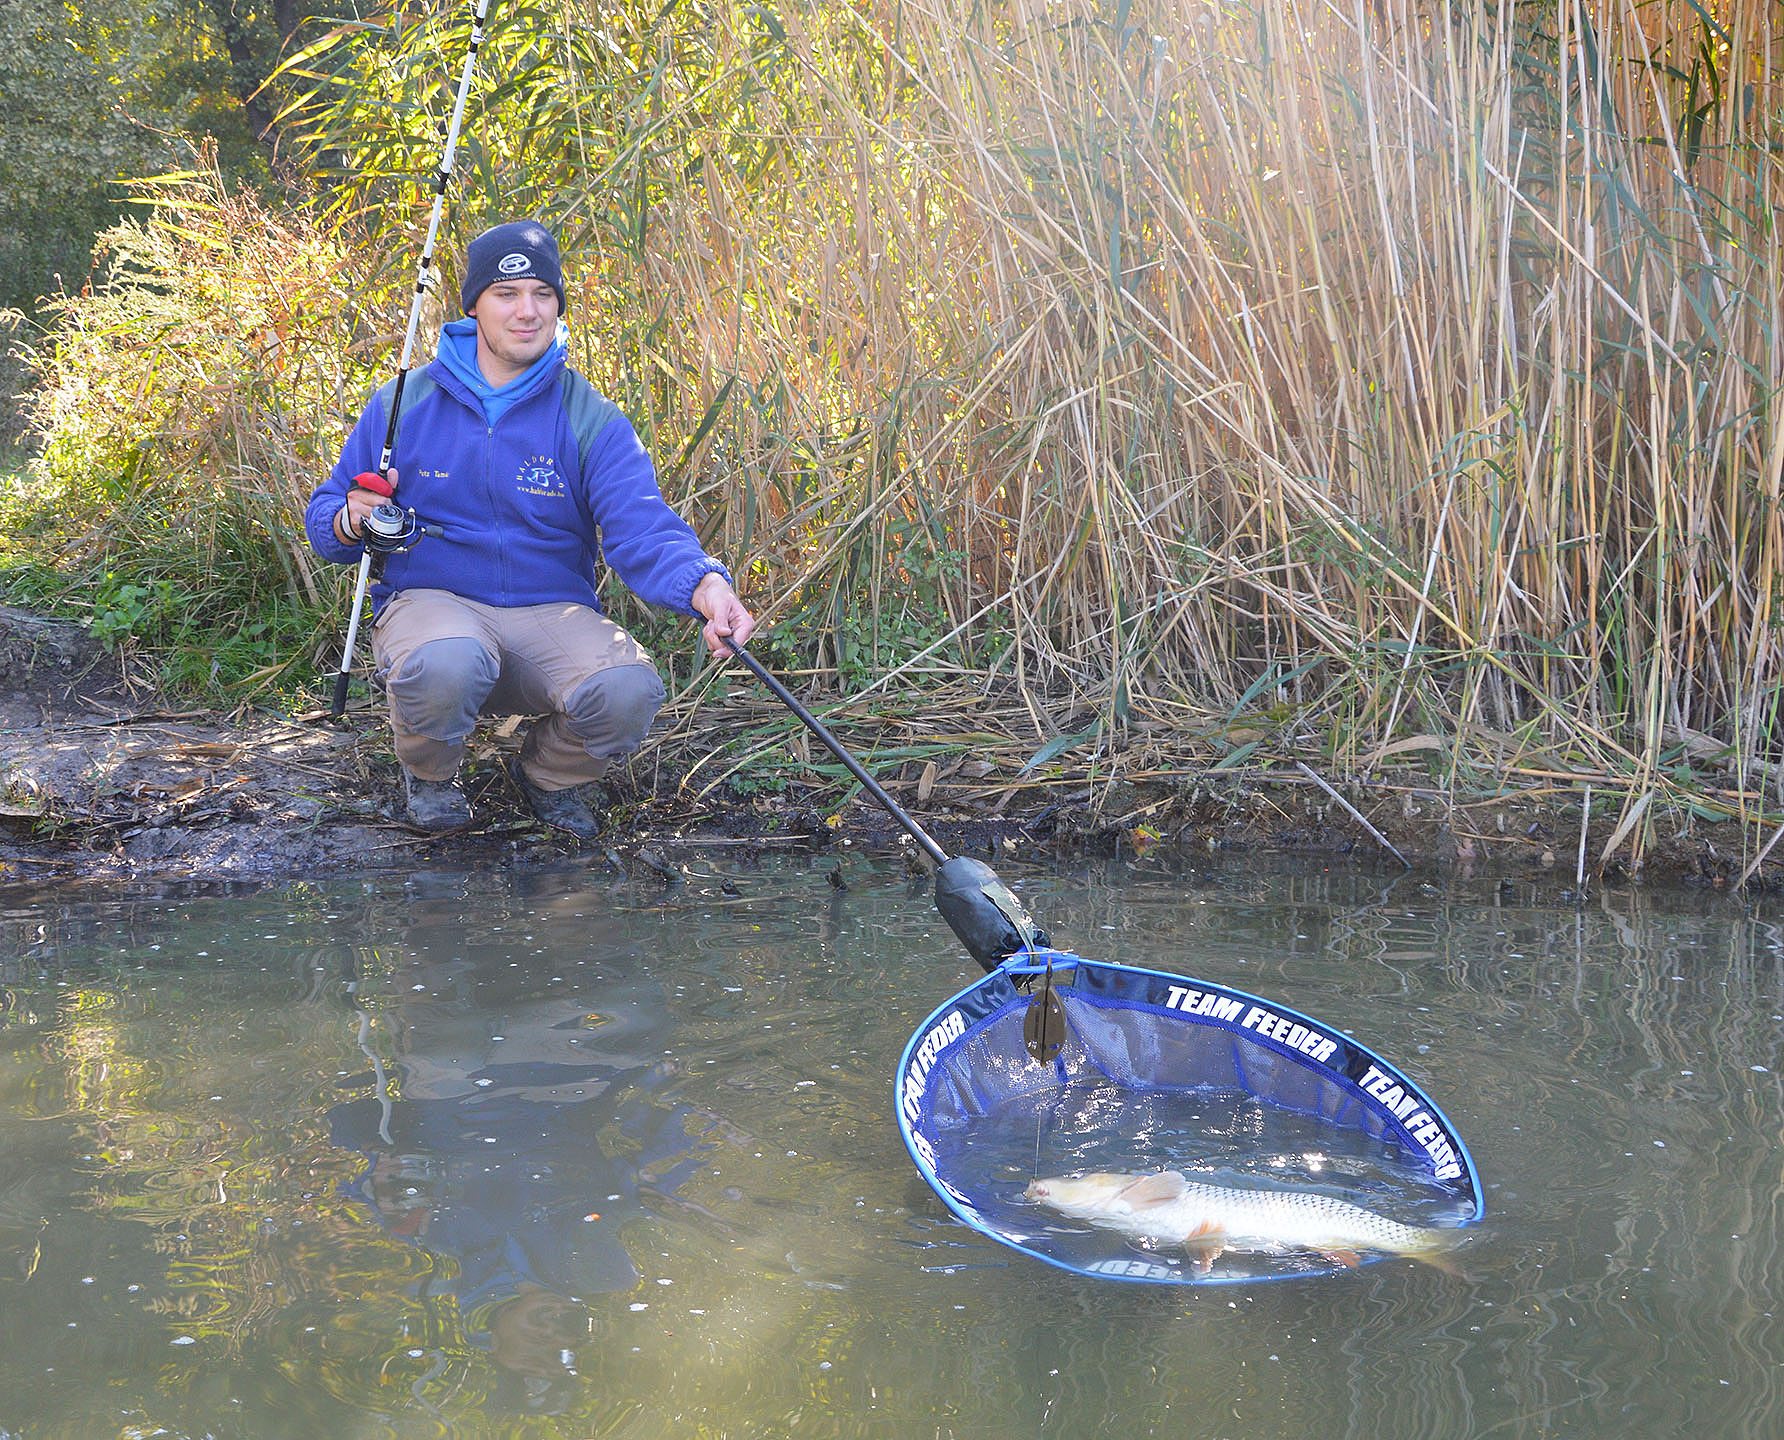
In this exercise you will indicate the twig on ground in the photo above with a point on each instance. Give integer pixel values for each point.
(1759, 859)
(1352, 811)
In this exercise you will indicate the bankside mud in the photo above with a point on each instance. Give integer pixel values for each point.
(101, 777)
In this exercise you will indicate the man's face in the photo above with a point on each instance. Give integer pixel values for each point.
(516, 323)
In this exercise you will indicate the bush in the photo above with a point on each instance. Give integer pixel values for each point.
(189, 400)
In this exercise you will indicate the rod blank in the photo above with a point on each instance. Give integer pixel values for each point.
(425, 280)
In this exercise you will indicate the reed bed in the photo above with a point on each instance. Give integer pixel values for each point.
(1394, 382)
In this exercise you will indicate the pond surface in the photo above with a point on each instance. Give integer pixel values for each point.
(566, 1155)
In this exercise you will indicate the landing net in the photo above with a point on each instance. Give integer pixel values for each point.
(1159, 1072)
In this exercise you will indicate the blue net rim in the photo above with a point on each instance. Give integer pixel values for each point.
(1335, 1057)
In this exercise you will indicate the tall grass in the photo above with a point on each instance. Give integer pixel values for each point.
(1408, 368)
(1400, 377)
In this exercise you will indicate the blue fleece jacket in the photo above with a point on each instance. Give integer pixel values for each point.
(523, 520)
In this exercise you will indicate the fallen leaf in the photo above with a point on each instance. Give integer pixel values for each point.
(1405, 747)
(207, 750)
(926, 783)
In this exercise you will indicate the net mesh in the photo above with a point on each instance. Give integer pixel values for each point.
(1158, 1072)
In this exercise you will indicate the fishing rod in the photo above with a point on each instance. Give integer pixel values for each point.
(979, 908)
(384, 533)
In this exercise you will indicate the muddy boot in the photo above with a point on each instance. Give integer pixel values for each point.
(434, 805)
(564, 809)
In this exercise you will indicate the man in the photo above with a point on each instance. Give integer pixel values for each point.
(526, 472)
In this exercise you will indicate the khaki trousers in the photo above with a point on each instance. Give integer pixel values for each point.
(444, 660)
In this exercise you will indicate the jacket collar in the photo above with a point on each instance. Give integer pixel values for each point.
(456, 368)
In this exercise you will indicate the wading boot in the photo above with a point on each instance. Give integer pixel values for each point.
(563, 809)
(434, 805)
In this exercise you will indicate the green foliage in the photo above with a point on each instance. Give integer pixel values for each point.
(59, 148)
(156, 616)
(103, 92)
(763, 778)
(126, 610)
(189, 402)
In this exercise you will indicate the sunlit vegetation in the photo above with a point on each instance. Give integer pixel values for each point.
(103, 91)
(1353, 377)
(195, 394)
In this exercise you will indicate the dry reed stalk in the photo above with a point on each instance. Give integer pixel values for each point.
(1404, 368)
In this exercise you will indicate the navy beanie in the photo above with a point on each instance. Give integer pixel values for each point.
(521, 249)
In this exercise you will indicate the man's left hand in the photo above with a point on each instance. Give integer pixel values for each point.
(726, 617)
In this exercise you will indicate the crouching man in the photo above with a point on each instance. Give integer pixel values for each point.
(528, 474)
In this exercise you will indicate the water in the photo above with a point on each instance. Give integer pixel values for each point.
(330, 1161)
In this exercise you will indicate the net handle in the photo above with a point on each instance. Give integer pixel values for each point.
(854, 766)
(980, 909)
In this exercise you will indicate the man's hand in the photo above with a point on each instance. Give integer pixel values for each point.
(360, 503)
(726, 617)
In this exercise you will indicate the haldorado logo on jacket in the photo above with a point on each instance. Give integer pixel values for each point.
(539, 476)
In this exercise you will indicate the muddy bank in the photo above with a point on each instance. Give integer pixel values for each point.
(100, 778)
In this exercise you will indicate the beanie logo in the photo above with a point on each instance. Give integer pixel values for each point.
(515, 263)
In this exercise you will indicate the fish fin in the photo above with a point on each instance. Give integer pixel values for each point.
(1159, 1189)
(1203, 1253)
(1442, 1256)
(1349, 1259)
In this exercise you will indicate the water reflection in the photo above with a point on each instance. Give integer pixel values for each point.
(486, 1138)
(320, 1163)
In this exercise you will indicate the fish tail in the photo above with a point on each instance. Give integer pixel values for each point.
(1437, 1248)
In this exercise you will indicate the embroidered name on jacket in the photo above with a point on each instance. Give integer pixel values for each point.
(539, 476)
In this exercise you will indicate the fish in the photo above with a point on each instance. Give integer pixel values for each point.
(1163, 1208)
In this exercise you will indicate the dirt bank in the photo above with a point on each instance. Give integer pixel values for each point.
(102, 778)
